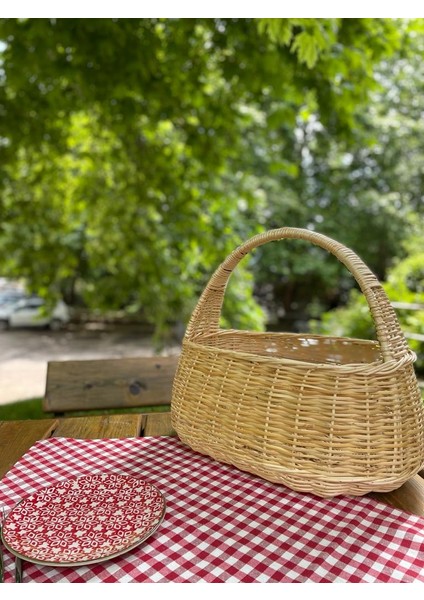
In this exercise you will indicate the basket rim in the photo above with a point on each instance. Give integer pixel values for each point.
(289, 334)
(371, 368)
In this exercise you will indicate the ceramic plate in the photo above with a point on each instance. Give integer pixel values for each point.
(84, 520)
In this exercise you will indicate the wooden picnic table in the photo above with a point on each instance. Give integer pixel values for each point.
(16, 437)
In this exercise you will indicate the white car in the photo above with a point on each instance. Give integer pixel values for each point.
(28, 312)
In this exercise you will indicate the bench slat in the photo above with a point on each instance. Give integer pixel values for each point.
(109, 383)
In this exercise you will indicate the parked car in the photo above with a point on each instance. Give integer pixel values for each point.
(28, 312)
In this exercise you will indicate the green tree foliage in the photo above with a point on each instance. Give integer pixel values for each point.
(136, 153)
(364, 190)
(404, 287)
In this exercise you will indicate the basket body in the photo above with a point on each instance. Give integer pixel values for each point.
(322, 415)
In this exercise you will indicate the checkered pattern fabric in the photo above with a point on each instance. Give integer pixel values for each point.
(224, 525)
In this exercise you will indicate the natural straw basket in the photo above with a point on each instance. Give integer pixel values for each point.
(325, 415)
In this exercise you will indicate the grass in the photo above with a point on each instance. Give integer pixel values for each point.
(32, 409)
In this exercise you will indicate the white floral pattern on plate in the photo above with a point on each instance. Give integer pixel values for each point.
(84, 520)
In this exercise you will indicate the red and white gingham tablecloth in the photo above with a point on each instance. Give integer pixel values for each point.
(223, 525)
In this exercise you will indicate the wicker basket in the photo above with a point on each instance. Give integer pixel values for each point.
(324, 415)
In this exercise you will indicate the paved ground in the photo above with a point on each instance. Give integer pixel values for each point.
(24, 354)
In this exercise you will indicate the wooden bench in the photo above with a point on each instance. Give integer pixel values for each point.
(85, 385)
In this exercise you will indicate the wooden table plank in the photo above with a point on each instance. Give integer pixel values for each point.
(157, 424)
(100, 427)
(17, 436)
(409, 497)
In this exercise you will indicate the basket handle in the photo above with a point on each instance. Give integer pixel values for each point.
(205, 317)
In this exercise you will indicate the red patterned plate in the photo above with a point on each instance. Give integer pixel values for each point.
(84, 520)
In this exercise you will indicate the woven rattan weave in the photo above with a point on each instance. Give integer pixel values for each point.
(323, 415)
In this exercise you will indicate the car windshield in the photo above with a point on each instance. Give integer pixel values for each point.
(9, 299)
